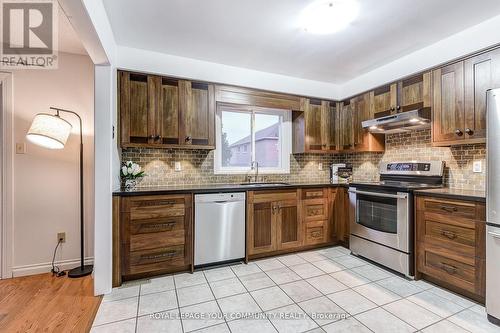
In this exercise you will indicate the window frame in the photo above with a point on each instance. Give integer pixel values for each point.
(285, 139)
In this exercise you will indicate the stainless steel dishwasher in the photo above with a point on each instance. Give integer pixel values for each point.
(219, 227)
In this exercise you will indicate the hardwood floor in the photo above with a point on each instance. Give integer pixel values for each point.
(42, 303)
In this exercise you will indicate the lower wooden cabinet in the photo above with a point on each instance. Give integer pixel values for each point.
(155, 234)
(450, 244)
(339, 215)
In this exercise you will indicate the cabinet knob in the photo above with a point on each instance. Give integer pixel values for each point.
(152, 137)
(188, 138)
(469, 131)
(158, 137)
(398, 107)
(459, 132)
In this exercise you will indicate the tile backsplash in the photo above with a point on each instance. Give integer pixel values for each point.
(197, 165)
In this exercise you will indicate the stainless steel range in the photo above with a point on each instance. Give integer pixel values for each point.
(382, 212)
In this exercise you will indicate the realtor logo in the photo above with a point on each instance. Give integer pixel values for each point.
(28, 37)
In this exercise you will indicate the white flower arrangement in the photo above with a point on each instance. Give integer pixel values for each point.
(131, 170)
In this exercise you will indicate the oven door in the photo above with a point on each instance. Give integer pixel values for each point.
(381, 217)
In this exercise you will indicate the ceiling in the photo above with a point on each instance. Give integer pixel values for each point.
(69, 42)
(265, 35)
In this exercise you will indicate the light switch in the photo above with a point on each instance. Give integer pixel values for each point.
(20, 148)
(477, 167)
(320, 166)
(177, 166)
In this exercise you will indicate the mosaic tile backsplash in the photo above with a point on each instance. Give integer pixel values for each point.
(197, 165)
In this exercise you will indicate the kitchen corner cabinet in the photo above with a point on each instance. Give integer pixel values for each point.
(459, 99)
(273, 221)
(339, 215)
(161, 112)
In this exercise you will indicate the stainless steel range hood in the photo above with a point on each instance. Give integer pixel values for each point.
(401, 122)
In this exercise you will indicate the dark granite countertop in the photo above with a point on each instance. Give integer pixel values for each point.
(453, 193)
(211, 188)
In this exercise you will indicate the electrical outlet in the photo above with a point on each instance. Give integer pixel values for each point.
(177, 166)
(320, 166)
(477, 167)
(20, 148)
(61, 236)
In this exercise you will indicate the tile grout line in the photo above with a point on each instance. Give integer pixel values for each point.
(215, 298)
(137, 312)
(178, 304)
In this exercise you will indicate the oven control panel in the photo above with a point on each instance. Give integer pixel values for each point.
(410, 166)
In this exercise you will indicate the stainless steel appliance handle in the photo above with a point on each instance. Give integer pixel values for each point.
(383, 195)
(494, 234)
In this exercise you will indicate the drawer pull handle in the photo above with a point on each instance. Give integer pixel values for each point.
(449, 234)
(448, 268)
(160, 225)
(168, 254)
(157, 203)
(449, 209)
(316, 234)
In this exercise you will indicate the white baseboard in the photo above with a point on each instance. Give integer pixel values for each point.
(47, 266)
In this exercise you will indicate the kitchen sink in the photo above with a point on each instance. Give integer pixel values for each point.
(263, 184)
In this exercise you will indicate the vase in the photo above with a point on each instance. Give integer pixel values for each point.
(130, 183)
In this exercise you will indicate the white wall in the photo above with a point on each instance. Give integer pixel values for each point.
(46, 182)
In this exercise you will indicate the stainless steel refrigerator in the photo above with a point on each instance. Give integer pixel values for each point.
(493, 207)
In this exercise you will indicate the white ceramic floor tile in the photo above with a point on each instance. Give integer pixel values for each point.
(306, 270)
(349, 261)
(444, 326)
(474, 322)
(229, 287)
(281, 319)
(221, 328)
(121, 293)
(291, 260)
(116, 310)
(343, 250)
(350, 278)
(438, 305)
(208, 315)
(251, 326)
(326, 284)
(256, 281)
(195, 294)
(269, 264)
(331, 252)
(399, 286)
(125, 326)
(300, 291)
(271, 298)
(156, 285)
(245, 269)
(377, 294)
(479, 309)
(351, 301)
(462, 301)
(323, 311)
(235, 305)
(379, 320)
(165, 322)
(424, 285)
(217, 274)
(189, 279)
(311, 256)
(372, 273)
(328, 266)
(413, 314)
(283, 275)
(349, 325)
(157, 302)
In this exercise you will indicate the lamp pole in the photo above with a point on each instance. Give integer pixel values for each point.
(83, 270)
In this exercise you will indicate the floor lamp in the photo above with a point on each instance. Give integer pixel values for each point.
(51, 131)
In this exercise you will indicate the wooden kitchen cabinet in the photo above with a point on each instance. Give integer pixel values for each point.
(346, 118)
(450, 244)
(339, 215)
(414, 92)
(315, 216)
(384, 100)
(163, 112)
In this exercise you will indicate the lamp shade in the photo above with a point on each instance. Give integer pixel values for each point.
(49, 131)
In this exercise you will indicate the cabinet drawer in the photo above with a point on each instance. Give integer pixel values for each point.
(451, 233)
(157, 259)
(316, 232)
(313, 193)
(157, 225)
(450, 208)
(154, 240)
(315, 210)
(271, 196)
(142, 208)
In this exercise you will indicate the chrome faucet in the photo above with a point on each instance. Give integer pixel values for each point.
(255, 166)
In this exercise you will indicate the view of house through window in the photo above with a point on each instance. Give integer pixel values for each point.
(252, 134)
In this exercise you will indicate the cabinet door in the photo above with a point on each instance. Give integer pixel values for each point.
(262, 227)
(361, 112)
(384, 100)
(481, 73)
(340, 215)
(288, 223)
(346, 137)
(448, 103)
(168, 111)
(331, 125)
(135, 114)
(197, 114)
(414, 92)
(313, 116)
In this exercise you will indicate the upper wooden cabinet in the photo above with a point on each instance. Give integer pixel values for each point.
(384, 100)
(160, 112)
(459, 99)
(414, 92)
(346, 118)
